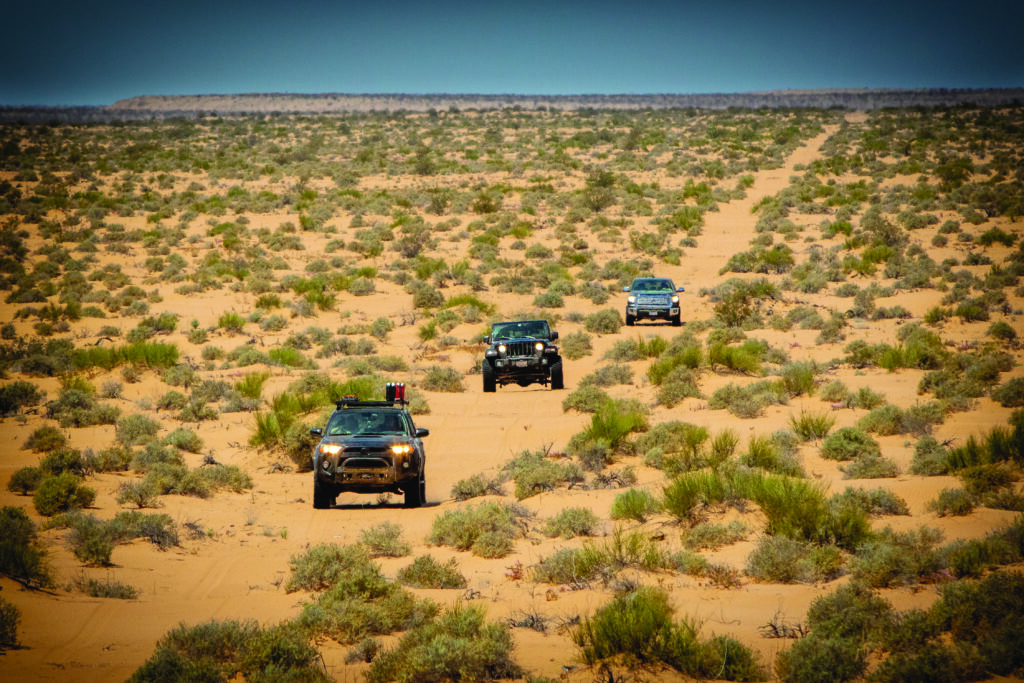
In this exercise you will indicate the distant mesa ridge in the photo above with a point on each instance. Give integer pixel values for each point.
(190, 106)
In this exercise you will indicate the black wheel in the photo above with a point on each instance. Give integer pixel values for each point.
(630, 320)
(323, 496)
(416, 495)
(556, 376)
(490, 384)
(677, 320)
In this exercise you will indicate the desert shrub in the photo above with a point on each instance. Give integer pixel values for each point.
(870, 467)
(679, 446)
(426, 572)
(608, 321)
(534, 472)
(441, 378)
(576, 345)
(475, 486)
(108, 588)
(586, 399)
(89, 540)
(930, 457)
(22, 557)
(635, 504)
(45, 439)
(778, 559)
(894, 559)
(384, 540)
(707, 535)
(158, 529)
(748, 401)
(884, 421)
(764, 452)
(1010, 394)
(323, 565)
(979, 480)
(877, 501)
(10, 617)
(798, 377)
(607, 376)
(141, 494)
(834, 392)
(185, 439)
(611, 423)
(458, 645)
(136, 429)
(849, 443)
(487, 529)
(867, 399)
(810, 426)
(172, 400)
(217, 477)
(679, 384)
(153, 454)
(63, 460)
(19, 394)
(571, 522)
(956, 502)
(61, 493)
(687, 494)
(639, 627)
(25, 480)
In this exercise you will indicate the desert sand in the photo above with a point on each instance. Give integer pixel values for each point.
(238, 570)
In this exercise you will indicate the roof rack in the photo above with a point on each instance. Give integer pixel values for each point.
(394, 394)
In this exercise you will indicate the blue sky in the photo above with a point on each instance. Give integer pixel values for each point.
(78, 53)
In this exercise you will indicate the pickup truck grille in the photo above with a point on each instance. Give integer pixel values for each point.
(519, 348)
(652, 300)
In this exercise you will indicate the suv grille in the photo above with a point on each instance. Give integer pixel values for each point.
(519, 348)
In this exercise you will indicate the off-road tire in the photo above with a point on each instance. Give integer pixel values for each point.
(556, 376)
(630, 320)
(323, 497)
(490, 383)
(677, 320)
(416, 495)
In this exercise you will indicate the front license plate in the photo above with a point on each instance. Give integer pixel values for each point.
(522, 363)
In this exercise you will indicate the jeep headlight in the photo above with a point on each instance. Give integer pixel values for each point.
(538, 347)
(330, 448)
(502, 348)
(401, 449)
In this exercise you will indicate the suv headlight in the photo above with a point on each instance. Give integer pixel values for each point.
(330, 448)
(401, 448)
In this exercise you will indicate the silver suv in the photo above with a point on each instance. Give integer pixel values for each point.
(653, 298)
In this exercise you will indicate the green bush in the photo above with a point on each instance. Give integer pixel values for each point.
(810, 426)
(323, 565)
(878, 501)
(608, 321)
(45, 439)
(884, 421)
(1010, 394)
(426, 572)
(871, 467)
(458, 645)
(141, 494)
(17, 395)
(487, 529)
(474, 487)
(136, 429)
(639, 627)
(576, 345)
(778, 559)
(384, 540)
(22, 558)
(892, 559)
(635, 504)
(61, 493)
(956, 502)
(707, 535)
(25, 480)
(442, 378)
(586, 399)
(534, 472)
(849, 443)
(764, 452)
(10, 617)
(571, 522)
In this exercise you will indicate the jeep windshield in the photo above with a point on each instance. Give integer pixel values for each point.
(533, 329)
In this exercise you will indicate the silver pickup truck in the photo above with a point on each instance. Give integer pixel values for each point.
(653, 298)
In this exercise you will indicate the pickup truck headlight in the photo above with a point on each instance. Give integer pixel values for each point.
(631, 299)
(675, 299)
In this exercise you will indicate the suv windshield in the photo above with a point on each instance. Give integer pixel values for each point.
(349, 422)
(536, 329)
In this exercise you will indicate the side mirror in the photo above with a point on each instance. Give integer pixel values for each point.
(420, 431)
(316, 431)
(680, 289)
(625, 289)
(487, 339)
(554, 335)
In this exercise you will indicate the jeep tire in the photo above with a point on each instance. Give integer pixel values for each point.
(490, 383)
(556, 376)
